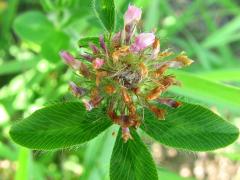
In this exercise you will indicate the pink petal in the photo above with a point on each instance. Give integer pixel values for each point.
(142, 41)
(98, 63)
(131, 18)
(132, 15)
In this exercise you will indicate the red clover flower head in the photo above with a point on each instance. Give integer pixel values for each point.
(126, 72)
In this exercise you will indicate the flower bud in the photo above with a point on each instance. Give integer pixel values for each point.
(160, 70)
(160, 113)
(168, 81)
(169, 102)
(88, 105)
(88, 57)
(142, 41)
(122, 51)
(99, 76)
(98, 63)
(70, 60)
(156, 49)
(84, 70)
(94, 48)
(116, 39)
(144, 70)
(126, 97)
(103, 44)
(155, 93)
(109, 89)
(165, 53)
(180, 61)
(77, 91)
(67, 57)
(95, 101)
(126, 134)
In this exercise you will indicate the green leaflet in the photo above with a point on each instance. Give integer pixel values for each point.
(105, 11)
(84, 42)
(59, 126)
(33, 26)
(131, 160)
(190, 127)
(53, 45)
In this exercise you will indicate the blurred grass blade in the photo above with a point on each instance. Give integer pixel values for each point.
(18, 66)
(224, 35)
(105, 11)
(47, 5)
(9, 16)
(59, 126)
(99, 151)
(152, 18)
(209, 92)
(184, 19)
(222, 75)
(131, 160)
(190, 127)
(231, 5)
(24, 164)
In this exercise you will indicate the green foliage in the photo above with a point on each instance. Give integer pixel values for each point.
(84, 42)
(51, 49)
(18, 66)
(190, 127)
(206, 30)
(33, 26)
(206, 91)
(7, 153)
(98, 151)
(168, 175)
(151, 20)
(59, 126)
(24, 167)
(229, 32)
(232, 74)
(131, 160)
(105, 11)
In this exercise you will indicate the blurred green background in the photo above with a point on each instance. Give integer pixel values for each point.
(32, 32)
